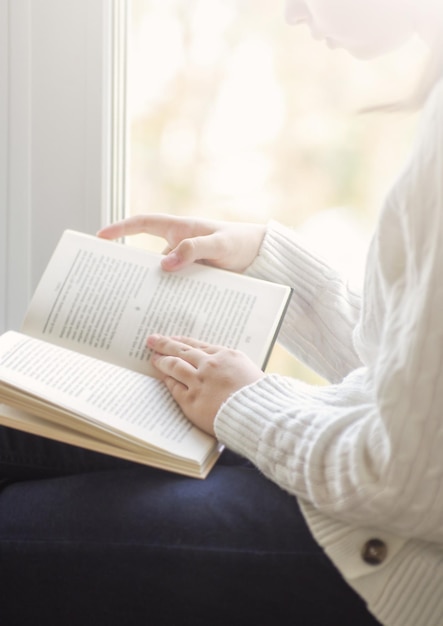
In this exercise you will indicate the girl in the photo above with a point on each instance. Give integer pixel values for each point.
(362, 455)
(328, 509)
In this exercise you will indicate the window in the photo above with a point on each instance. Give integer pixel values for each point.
(229, 112)
(60, 136)
(233, 114)
(3, 160)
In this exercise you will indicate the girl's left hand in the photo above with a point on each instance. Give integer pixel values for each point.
(201, 376)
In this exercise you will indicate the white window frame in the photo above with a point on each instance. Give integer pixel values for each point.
(3, 158)
(62, 132)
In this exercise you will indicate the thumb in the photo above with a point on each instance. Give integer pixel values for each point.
(181, 256)
(171, 262)
(202, 248)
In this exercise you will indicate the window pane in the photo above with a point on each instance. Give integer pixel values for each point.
(236, 115)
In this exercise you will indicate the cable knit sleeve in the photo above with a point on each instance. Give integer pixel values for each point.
(368, 446)
(323, 310)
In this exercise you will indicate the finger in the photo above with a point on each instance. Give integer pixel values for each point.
(154, 224)
(167, 346)
(197, 344)
(178, 391)
(188, 240)
(174, 367)
(208, 247)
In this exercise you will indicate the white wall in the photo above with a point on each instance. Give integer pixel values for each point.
(55, 121)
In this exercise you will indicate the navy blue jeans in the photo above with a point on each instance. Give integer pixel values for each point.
(89, 540)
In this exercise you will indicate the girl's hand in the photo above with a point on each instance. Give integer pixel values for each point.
(200, 376)
(232, 246)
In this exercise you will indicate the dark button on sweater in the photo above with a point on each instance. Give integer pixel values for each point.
(374, 552)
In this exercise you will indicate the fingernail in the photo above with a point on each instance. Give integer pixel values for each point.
(151, 340)
(171, 260)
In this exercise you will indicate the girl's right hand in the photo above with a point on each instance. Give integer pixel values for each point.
(229, 245)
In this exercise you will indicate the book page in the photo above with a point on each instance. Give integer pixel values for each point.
(103, 299)
(21, 420)
(116, 399)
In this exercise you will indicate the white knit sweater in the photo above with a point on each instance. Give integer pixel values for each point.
(364, 454)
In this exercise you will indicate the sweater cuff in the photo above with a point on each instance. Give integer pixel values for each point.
(321, 318)
(283, 258)
(244, 420)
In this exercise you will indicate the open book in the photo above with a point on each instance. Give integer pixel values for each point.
(80, 372)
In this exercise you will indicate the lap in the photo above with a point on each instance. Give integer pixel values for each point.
(122, 544)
